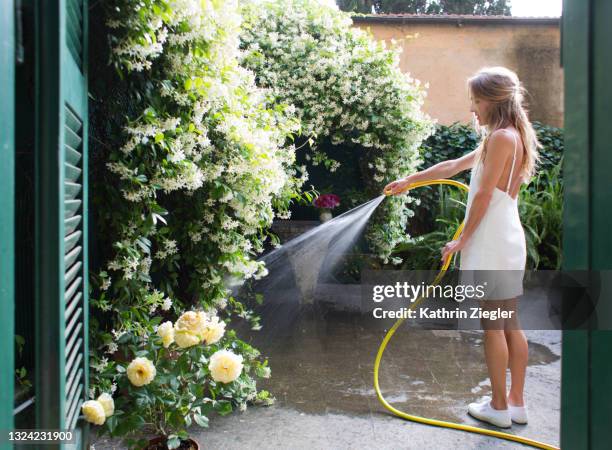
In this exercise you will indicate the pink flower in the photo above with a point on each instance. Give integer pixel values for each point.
(328, 201)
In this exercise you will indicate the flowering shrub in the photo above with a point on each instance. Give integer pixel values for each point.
(189, 179)
(347, 87)
(328, 201)
(196, 161)
(170, 385)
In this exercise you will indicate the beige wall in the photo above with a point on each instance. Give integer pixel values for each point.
(445, 55)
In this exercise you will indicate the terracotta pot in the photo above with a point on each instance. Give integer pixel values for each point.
(159, 443)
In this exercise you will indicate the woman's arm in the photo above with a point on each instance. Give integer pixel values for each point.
(501, 146)
(444, 169)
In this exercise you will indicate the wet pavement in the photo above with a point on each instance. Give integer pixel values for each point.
(322, 378)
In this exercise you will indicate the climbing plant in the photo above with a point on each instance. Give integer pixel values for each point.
(347, 87)
(192, 163)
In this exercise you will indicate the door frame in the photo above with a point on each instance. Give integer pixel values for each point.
(7, 216)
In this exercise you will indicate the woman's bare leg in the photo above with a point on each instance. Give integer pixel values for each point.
(496, 356)
(518, 356)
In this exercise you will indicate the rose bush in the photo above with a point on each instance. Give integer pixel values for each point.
(170, 387)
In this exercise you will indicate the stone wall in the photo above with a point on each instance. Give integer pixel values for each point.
(289, 229)
(445, 50)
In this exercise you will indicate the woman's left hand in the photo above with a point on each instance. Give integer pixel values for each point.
(452, 247)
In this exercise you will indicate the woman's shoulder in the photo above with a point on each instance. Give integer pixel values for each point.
(503, 139)
(504, 135)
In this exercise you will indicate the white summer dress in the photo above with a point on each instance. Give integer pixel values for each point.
(497, 244)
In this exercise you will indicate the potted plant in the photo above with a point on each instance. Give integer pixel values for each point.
(174, 377)
(326, 202)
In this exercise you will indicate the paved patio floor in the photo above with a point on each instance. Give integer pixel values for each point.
(322, 371)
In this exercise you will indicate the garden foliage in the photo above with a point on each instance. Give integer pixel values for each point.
(198, 164)
(346, 87)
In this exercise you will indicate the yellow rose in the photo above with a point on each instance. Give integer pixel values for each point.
(185, 339)
(225, 366)
(141, 371)
(213, 331)
(166, 332)
(189, 328)
(107, 403)
(93, 412)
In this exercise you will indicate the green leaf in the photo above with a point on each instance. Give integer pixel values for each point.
(157, 217)
(150, 113)
(201, 420)
(183, 435)
(223, 407)
(143, 245)
(111, 423)
(173, 442)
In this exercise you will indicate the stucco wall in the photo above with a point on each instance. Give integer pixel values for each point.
(445, 54)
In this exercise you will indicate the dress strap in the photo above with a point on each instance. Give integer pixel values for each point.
(512, 169)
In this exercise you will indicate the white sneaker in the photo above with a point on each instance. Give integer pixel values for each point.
(518, 413)
(484, 411)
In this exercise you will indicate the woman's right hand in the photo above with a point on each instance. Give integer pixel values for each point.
(397, 187)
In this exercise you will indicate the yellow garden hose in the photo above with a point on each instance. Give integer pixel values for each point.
(383, 345)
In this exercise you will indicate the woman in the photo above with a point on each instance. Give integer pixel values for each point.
(493, 237)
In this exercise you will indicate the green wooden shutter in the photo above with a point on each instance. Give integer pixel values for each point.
(586, 402)
(61, 225)
(7, 214)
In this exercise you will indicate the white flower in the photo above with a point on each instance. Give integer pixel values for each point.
(118, 334)
(105, 284)
(225, 366)
(221, 303)
(166, 332)
(189, 328)
(213, 330)
(93, 412)
(112, 348)
(107, 403)
(167, 304)
(101, 365)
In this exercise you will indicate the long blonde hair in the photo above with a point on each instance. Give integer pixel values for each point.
(502, 87)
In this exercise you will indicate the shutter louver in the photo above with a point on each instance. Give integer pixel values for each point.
(73, 265)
